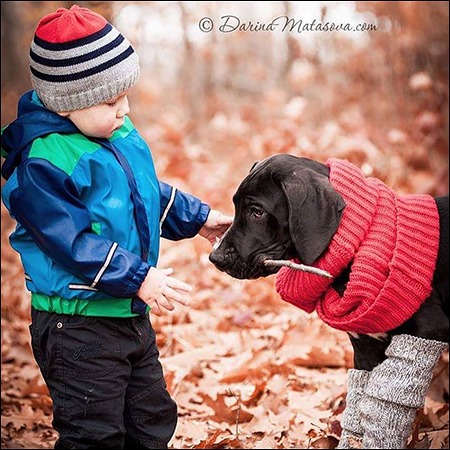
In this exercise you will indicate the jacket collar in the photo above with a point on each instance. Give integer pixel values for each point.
(34, 120)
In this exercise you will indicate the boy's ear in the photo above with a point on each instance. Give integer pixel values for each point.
(63, 113)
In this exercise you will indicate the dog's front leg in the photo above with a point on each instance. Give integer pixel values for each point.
(395, 389)
(368, 352)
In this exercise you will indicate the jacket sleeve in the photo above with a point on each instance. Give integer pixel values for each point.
(182, 215)
(46, 203)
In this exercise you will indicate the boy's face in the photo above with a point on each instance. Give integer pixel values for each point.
(100, 121)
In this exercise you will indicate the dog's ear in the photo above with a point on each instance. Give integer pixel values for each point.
(315, 210)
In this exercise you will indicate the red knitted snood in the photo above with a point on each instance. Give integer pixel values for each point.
(391, 242)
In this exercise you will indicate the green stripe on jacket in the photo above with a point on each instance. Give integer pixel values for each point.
(111, 307)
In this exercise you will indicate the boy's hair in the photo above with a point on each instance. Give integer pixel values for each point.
(78, 59)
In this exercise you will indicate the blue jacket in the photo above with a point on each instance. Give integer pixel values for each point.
(89, 212)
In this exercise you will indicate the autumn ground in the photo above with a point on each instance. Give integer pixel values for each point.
(246, 369)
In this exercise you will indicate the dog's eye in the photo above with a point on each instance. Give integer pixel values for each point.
(256, 212)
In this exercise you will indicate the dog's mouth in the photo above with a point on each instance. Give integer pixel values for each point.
(261, 269)
(244, 270)
(229, 260)
(252, 270)
(264, 269)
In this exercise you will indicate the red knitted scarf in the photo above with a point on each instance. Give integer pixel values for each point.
(392, 242)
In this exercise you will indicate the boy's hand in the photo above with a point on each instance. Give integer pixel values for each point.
(215, 226)
(159, 289)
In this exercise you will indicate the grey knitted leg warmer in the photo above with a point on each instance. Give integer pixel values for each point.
(352, 431)
(396, 388)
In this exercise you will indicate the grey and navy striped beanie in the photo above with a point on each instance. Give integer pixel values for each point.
(78, 60)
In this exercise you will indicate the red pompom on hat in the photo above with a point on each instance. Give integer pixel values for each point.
(78, 59)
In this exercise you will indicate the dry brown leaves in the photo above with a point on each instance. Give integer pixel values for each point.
(246, 369)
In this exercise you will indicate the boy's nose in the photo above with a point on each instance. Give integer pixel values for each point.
(122, 112)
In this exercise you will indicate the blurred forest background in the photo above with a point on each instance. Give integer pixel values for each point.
(247, 370)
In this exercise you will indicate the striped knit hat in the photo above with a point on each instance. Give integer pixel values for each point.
(78, 60)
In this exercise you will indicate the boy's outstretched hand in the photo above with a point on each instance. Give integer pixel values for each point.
(215, 226)
(159, 290)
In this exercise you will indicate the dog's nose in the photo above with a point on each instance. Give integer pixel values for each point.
(218, 258)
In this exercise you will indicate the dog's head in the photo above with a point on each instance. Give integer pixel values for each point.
(284, 208)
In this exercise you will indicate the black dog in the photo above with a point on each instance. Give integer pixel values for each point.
(287, 208)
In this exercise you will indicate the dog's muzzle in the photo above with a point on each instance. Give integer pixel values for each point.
(227, 260)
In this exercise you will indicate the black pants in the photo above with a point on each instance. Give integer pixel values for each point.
(105, 380)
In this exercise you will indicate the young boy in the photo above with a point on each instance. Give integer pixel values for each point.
(90, 211)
